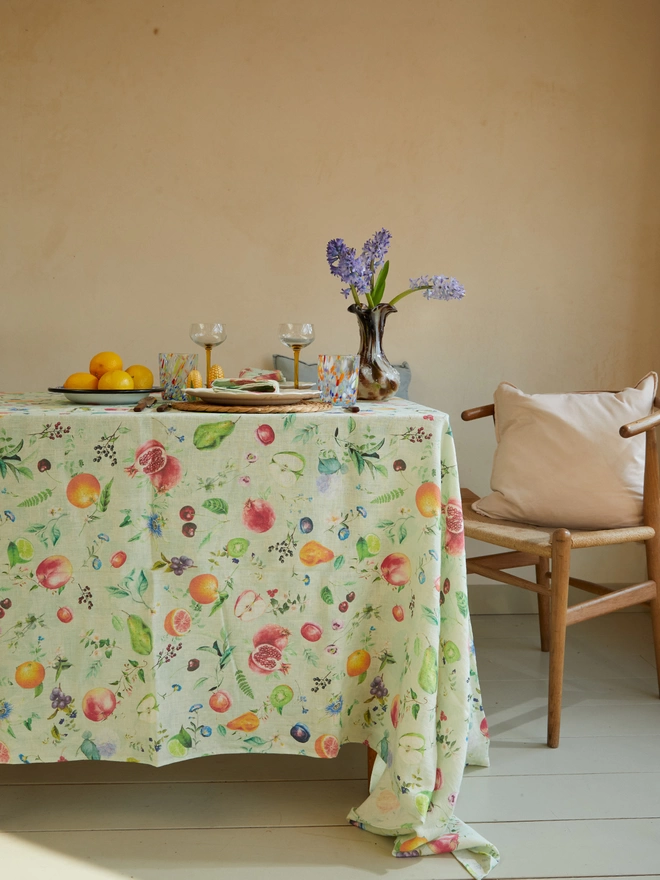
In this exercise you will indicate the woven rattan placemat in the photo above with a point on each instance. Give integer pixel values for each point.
(311, 406)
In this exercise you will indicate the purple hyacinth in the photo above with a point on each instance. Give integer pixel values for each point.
(345, 264)
(375, 248)
(439, 287)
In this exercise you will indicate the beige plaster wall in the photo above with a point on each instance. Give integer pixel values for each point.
(165, 162)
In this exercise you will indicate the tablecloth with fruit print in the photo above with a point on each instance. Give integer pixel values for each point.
(182, 584)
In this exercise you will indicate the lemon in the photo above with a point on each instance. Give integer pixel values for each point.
(116, 380)
(25, 549)
(105, 362)
(141, 375)
(82, 381)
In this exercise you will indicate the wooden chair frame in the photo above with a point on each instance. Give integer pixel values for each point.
(549, 551)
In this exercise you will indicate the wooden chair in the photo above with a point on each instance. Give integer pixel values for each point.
(549, 550)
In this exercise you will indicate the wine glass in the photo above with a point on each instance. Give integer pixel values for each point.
(296, 336)
(208, 336)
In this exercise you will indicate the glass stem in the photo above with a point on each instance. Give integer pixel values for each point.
(296, 359)
(208, 364)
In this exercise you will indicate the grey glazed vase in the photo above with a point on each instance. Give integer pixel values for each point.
(378, 378)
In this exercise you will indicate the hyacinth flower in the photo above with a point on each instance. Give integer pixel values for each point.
(366, 275)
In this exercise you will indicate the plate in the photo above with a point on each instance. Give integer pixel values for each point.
(251, 398)
(106, 398)
(301, 385)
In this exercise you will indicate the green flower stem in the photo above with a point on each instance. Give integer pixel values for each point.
(407, 292)
(368, 296)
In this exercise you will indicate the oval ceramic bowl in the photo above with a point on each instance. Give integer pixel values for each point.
(106, 398)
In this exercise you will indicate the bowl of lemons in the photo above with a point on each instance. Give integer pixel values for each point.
(108, 383)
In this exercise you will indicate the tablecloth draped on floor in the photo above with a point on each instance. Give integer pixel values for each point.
(183, 584)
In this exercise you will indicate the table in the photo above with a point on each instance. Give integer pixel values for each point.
(182, 584)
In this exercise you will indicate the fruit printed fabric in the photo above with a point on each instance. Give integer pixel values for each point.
(181, 584)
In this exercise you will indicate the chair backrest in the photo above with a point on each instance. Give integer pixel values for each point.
(505, 505)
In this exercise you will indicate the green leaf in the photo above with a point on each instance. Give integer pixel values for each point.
(362, 549)
(141, 674)
(329, 465)
(326, 596)
(357, 459)
(184, 738)
(388, 496)
(337, 564)
(415, 710)
(225, 657)
(36, 499)
(142, 584)
(222, 730)
(362, 677)
(205, 540)
(117, 623)
(379, 286)
(200, 682)
(126, 521)
(120, 592)
(462, 602)
(216, 505)
(351, 424)
(289, 420)
(38, 691)
(55, 533)
(135, 538)
(219, 602)
(257, 740)
(13, 555)
(26, 472)
(243, 684)
(90, 751)
(104, 499)
(159, 564)
(3, 468)
(403, 532)
(430, 615)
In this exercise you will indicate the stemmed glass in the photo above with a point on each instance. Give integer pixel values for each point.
(296, 336)
(208, 336)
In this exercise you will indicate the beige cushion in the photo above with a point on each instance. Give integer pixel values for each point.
(561, 462)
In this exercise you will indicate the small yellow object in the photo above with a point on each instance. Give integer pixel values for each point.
(105, 362)
(194, 379)
(116, 380)
(142, 376)
(216, 372)
(81, 381)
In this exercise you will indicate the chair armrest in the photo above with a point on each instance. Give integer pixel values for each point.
(641, 425)
(478, 412)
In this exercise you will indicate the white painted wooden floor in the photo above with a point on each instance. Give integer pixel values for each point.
(588, 809)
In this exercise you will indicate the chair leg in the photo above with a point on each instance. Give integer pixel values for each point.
(653, 567)
(561, 563)
(543, 603)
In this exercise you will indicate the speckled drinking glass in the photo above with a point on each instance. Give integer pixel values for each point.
(338, 378)
(174, 370)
